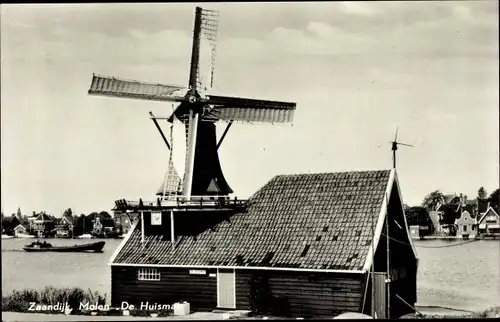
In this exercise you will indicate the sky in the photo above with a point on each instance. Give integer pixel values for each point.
(357, 71)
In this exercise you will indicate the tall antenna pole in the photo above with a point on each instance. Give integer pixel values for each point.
(373, 271)
(193, 115)
(394, 148)
(388, 289)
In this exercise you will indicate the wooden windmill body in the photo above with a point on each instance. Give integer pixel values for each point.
(203, 174)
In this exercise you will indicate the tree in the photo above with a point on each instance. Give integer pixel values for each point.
(494, 199)
(68, 212)
(419, 216)
(93, 216)
(432, 200)
(82, 225)
(481, 193)
(104, 215)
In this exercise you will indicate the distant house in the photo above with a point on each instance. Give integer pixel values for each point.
(466, 225)
(9, 223)
(451, 199)
(303, 247)
(415, 231)
(489, 223)
(31, 221)
(125, 220)
(65, 226)
(97, 228)
(20, 230)
(43, 224)
(457, 215)
(418, 231)
(436, 218)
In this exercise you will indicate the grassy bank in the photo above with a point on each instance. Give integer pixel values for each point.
(20, 301)
(493, 312)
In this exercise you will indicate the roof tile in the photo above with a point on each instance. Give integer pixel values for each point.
(284, 216)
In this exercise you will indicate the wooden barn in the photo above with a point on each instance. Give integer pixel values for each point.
(301, 247)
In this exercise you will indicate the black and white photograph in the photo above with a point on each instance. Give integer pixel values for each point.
(250, 161)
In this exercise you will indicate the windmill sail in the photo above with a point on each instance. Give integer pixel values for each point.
(198, 113)
(116, 87)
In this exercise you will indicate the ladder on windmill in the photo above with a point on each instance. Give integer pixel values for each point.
(172, 184)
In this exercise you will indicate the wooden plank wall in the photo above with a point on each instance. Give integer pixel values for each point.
(298, 294)
(174, 285)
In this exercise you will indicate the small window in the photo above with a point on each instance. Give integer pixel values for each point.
(465, 218)
(465, 227)
(148, 274)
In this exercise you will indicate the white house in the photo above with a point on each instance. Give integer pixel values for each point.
(466, 225)
(489, 223)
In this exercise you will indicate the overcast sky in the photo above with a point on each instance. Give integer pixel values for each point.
(356, 70)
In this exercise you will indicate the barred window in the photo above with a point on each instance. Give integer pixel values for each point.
(148, 274)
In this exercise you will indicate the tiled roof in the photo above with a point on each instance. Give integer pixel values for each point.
(471, 202)
(69, 219)
(482, 205)
(332, 213)
(44, 217)
(448, 198)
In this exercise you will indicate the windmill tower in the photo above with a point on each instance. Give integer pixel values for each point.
(199, 112)
(395, 144)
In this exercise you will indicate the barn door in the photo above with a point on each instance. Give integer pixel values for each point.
(380, 295)
(226, 292)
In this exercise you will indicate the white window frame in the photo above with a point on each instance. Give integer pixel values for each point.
(148, 274)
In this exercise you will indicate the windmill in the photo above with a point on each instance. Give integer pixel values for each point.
(199, 112)
(395, 144)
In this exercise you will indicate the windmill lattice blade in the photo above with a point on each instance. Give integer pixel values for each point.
(404, 144)
(396, 136)
(251, 110)
(115, 87)
(209, 29)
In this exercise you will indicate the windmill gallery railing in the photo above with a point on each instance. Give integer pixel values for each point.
(181, 203)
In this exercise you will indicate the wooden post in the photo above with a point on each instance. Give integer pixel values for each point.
(394, 159)
(373, 271)
(172, 231)
(192, 133)
(388, 283)
(142, 227)
(193, 115)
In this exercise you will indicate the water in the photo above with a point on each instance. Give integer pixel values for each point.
(462, 277)
(21, 269)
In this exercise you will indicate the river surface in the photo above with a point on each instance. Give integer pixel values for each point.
(465, 276)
